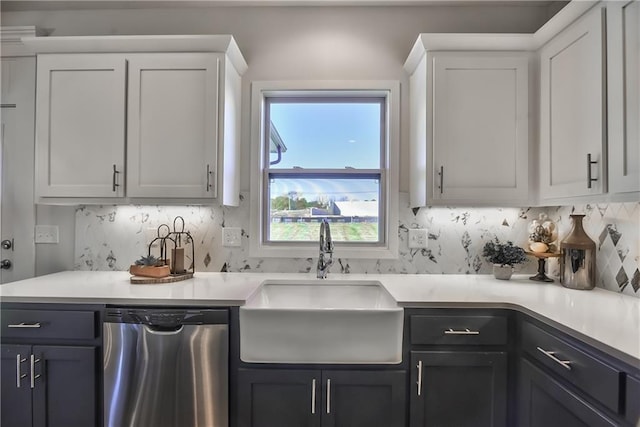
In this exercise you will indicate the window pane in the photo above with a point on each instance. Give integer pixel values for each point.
(298, 204)
(324, 134)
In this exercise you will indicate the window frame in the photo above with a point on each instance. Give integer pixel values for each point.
(345, 91)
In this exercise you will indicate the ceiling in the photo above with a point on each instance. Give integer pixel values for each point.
(21, 5)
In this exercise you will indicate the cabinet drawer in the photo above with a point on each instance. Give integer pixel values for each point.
(48, 324)
(458, 330)
(633, 399)
(586, 372)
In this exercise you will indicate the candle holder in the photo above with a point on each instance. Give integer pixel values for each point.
(171, 260)
(542, 260)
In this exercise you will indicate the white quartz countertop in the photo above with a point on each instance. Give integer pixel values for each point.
(607, 320)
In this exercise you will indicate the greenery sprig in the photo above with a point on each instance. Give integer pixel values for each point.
(150, 261)
(503, 253)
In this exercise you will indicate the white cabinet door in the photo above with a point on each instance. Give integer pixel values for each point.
(480, 128)
(623, 90)
(17, 211)
(572, 110)
(80, 125)
(172, 125)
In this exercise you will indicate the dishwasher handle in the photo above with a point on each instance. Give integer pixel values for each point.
(164, 330)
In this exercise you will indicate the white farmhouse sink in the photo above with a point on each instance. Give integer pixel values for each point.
(321, 321)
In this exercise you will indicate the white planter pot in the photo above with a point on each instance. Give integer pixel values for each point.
(502, 272)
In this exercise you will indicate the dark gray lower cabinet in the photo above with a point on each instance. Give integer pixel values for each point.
(278, 398)
(633, 401)
(544, 402)
(321, 398)
(364, 398)
(458, 389)
(15, 403)
(48, 385)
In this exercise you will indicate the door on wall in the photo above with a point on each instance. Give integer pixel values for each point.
(17, 209)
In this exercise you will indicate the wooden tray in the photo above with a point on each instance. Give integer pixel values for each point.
(139, 280)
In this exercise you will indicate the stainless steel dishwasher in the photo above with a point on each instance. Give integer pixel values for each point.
(166, 367)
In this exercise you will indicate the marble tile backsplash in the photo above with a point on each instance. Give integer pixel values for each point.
(112, 237)
(615, 227)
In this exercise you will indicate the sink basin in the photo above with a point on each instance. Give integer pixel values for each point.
(321, 321)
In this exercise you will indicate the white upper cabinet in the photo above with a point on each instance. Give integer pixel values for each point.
(175, 115)
(172, 125)
(572, 110)
(488, 128)
(479, 150)
(469, 120)
(80, 125)
(623, 90)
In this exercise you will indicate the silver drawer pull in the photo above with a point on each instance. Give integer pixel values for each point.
(419, 382)
(328, 396)
(466, 331)
(34, 377)
(313, 397)
(25, 325)
(552, 355)
(19, 374)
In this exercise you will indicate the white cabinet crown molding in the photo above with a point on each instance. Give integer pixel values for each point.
(430, 42)
(561, 20)
(11, 39)
(129, 44)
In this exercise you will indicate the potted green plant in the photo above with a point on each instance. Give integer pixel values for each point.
(503, 256)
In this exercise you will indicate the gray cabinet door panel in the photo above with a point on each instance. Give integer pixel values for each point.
(363, 398)
(545, 402)
(15, 404)
(65, 392)
(461, 389)
(283, 398)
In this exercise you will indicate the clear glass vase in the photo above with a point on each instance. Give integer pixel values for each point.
(578, 258)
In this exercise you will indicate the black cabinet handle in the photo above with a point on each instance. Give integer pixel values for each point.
(114, 181)
(590, 162)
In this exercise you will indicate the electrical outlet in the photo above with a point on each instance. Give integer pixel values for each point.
(47, 234)
(231, 236)
(418, 238)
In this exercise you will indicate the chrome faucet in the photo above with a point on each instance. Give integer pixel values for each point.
(326, 248)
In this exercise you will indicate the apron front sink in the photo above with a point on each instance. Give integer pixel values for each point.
(321, 321)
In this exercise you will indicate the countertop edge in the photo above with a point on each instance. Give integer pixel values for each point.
(599, 345)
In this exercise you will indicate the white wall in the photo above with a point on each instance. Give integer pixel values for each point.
(51, 258)
(314, 43)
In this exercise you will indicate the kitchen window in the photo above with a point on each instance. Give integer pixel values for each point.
(324, 151)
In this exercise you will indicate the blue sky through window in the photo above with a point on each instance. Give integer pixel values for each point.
(328, 135)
